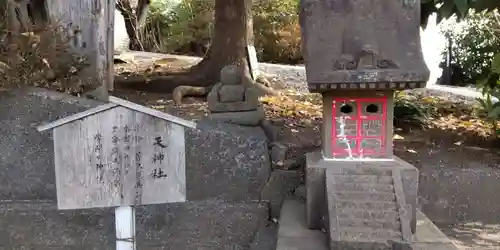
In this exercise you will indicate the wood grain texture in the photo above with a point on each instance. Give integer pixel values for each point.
(152, 112)
(74, 117)
(107, 38)
(93, 20)
(114, 101)
(119, 157)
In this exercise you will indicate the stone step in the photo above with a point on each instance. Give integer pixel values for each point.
(293, 233)
(366, 171)
(366, 196)
(365, 187)
(375, 224)
(368, 234)
(371, 179)
(366, 205)
(355, 214)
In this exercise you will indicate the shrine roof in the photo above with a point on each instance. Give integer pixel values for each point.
(113, 103)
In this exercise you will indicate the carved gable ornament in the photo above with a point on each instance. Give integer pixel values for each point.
(362, 45)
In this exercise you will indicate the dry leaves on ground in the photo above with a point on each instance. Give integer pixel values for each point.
(440, 113)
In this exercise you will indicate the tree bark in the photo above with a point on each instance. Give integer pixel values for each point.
(233, 31)
(134, 21)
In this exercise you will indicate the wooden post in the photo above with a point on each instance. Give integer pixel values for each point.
(125, 228)
(110, 72)
(89, 25)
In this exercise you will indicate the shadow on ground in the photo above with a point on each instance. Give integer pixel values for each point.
(459, 184)
(473, 235)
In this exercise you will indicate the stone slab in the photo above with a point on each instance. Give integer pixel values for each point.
(193, 225)
(428, 236)
(295, 235)
(246, 118)
(223, 161)
(280, 184)
(316, 208)
(26, 156)
(226, 161)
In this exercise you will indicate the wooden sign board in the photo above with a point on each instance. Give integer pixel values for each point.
(119, 154)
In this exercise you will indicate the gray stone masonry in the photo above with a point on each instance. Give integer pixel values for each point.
(223, 161)
(226, 169)
(294, 234)
(207, 225)
(316, 207)
(372, 218)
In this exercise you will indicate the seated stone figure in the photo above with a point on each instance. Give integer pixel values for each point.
(233, 101)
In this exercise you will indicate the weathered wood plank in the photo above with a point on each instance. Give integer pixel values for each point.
(152, 112)
(74, 117)
(165, 172)
(109, 71)
(89, 26)
(117, 102)
(119, 157)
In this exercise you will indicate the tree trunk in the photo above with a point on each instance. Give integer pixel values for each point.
(134, 21)
(233, 31)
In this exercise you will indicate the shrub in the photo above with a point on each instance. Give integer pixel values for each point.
(474, 43)
(277, 31)
(41, 58)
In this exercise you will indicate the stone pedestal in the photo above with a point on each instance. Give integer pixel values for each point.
(316, 201)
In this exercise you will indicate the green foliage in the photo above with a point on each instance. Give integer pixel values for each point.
(406, 109)
(490, 83)
(186, 27)
(474, 43)
(173, 25)
(491, 88)
(459, 8)
(491, 109)
(277, 31)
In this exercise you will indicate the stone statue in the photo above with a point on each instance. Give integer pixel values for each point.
(233, 101)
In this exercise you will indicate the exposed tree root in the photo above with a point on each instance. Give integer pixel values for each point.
(184, 91)
(196, 81)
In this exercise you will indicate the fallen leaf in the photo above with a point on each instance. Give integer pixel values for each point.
(397, 137)
(412, 151)
(165, 60)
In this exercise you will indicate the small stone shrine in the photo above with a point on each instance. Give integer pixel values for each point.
(357, 54)
(232, 101)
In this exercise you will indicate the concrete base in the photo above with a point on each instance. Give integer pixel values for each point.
(293, 234)
(316, 207)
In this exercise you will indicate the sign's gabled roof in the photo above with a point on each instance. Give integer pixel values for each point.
(115, 102)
